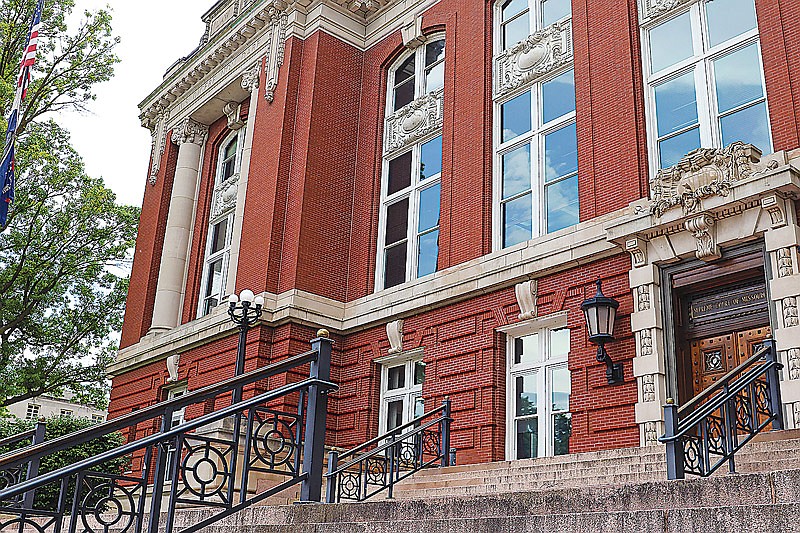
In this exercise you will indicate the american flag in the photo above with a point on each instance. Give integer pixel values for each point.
(23, 80)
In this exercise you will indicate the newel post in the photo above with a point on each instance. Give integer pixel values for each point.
(675, 466)
(774, 384)
(316, 415)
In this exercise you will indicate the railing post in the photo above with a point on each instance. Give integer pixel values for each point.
(314, 446)
(158, 475)
(774, 385)
(392, 456)
(675, 466)
(333, 464)
(33, 466)
(730, 429)
(445, 444)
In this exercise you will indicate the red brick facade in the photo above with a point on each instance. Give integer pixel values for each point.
(311, 221)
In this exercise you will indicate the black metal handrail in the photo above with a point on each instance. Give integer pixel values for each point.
(13, 476)
(202, 469)
(19, 437)
(727, 416)
(22, 455)
(397, 455)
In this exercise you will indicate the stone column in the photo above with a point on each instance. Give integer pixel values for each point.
(190, 136)
(250, 82)
(783, 242)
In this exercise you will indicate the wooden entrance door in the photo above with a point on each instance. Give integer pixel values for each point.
(713, 357)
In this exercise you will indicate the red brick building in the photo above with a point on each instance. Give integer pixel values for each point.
(441, 183)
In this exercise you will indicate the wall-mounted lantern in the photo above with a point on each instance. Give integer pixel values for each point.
(601, 314)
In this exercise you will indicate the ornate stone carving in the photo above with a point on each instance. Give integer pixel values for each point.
(793, 363)
(654, 8)
(785, 262)
(394, 331)
(797, 415)
(359, 6)
(409, 124)
(649, 388)
(790, 318)
(643, 297)
(277, 16)
(533, 57)
(251, 78)
(645, 338)
(702, 227)
(172, 366)
(774, 206)
(233, 111)
(190, 131)
(651, 434)
(638, 250)
(702, 173)
(527, 294)
(159, 131)
(224, 197)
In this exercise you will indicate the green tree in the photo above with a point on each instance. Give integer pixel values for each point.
(61, 301)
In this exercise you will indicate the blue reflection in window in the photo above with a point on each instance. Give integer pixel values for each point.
(517, 171)
(517, 217)
(676, 104)
(555, 10)
(516, 116)
(749, 125)
(431, 158)
(561, 152)
(429, 203)
(428, 253)
(738, 78)
(673, 149)
(558, 96)
(671, 42)
(562, 204)
(729, 19)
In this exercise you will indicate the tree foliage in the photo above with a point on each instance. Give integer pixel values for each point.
(61, 300)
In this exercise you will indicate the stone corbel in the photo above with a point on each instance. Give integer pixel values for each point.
(412, 32)
(527, 295)
(394, 331)
(190, 131)
(159, 131)
(777, 211)
(251, 78)
(277, 45)
(638, 250)
(233, 110)
(704, 231)
(172, 367)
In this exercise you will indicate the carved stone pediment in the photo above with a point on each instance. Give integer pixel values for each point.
(414, 121)
(224, 196)
(701, 174)
(533, 57)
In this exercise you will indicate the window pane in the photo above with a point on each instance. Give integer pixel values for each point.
(394, 414)
(515, 31)
(395, 267)
(434, 52)
(429, 203)
(419, 407)
(671, 42)
(430, 163)
(561, 152)
(676, 104)
(516, 116)
(563, 207)
(404, 94)
(434, 78)
(558, 96)
(562, 430)
(738, 78)
(555, 10)
(397, 222)
(517, 171)
(219, 234)
(517, 221)
(512, 7)
(419, 373)
(526, 349)
(399, 173)
(729, 18)
(528, 438)
(748, 125)
(214, 279)
(397, 377)
(405, 71)
(562, 386)
(526, 395)
(428, 253)
(673, 149)
(559, 342)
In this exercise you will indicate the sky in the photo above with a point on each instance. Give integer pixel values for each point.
(110, 137)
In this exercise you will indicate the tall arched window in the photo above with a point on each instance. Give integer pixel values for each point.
(220, 231)
(411, 190)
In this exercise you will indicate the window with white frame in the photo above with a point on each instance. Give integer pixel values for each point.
(520, 18)
(32, 411)
(178, 418)
(536, 161)
(401, 392)
(539, 387)
(66, 412)
(220, 232)
(98, 419)
(411, 192)
(705, 80)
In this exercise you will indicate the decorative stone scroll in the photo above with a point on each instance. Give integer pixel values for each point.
(702, 227)
(158, 128)
(172, 366)
(394, 331)
(533, 57)
(190, 131)
(251, 78)
(774, 207)
(277, 45)
(638, 250)
(702, 173)
(233, 111)
(409, 124)
(527, 295)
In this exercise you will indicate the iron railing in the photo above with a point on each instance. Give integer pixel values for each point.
(707, 432)
(14, 475)
(204, 461)
(384, 461)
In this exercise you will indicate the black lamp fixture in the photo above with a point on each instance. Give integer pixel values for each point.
(601, 313)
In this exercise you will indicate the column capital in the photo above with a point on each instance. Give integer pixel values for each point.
(251, 78)
(190, 131)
